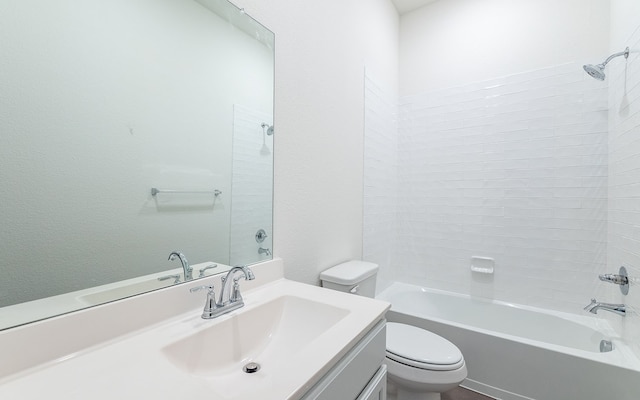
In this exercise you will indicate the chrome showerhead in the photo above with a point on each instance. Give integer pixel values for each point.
(597, 71)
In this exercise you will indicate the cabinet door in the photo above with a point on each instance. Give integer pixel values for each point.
(355, 371)
(377, 387)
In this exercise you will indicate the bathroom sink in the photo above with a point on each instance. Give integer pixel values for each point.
(267, 334)
(295, 332)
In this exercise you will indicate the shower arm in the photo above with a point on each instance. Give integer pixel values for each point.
(624, 53)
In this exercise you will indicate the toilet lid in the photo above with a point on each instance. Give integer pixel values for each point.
(420, 348)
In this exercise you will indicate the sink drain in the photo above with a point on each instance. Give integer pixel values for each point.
(605, 346)
(251, 368)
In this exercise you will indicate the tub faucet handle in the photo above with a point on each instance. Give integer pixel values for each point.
(614, 278)
(621, 278)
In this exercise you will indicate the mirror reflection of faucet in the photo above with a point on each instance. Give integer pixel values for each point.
(594, 306)
(188, 271)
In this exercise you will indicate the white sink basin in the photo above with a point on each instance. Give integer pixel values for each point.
(264, 334)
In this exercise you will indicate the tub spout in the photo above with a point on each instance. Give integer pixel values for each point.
(594, 306)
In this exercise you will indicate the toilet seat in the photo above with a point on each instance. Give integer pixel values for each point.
(419, 348)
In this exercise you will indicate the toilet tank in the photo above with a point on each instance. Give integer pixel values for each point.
(357, 277)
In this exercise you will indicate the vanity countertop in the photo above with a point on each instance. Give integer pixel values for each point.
(153, 362)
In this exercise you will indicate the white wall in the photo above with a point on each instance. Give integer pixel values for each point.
(322, 48)
(454, 42)
(624, 158)
(624, 23)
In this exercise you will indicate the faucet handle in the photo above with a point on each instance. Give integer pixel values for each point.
(621, 278)
(176, 278)
(235, 295)
(211, 266)
(204, 287)
(210, 306)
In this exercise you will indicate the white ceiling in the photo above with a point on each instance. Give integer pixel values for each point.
(404, 6)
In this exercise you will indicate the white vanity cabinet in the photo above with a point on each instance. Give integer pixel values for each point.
(360, 374)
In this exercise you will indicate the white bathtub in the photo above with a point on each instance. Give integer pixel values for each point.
(516, 352)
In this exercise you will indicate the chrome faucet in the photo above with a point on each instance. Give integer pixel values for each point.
(234, 296)
(264, 251)
(188, 271)
(214, 308)
(594, 306)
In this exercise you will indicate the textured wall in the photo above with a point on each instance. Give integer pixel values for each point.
(503, 148)
(515, 169)
(624, 176)
(380, 180)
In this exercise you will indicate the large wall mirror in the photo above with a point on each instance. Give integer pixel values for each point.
(130, 130)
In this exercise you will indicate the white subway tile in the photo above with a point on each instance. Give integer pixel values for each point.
(517, 167)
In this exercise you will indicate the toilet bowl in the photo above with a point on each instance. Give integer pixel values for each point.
(421, 364)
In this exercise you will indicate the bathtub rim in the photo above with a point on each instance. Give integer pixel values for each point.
(622, 356)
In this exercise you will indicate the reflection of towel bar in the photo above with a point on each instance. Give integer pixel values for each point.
(215, 192)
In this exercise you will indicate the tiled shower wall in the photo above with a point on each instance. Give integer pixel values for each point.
(624, 185)
(252, 182)
(380, 179)
(514, 169)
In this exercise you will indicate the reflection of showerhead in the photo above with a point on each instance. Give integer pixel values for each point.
(597, 71)
(269, 130)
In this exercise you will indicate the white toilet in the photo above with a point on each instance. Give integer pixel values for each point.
(421, 364)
